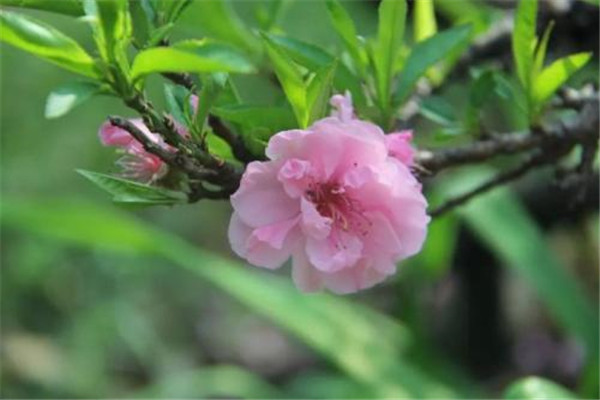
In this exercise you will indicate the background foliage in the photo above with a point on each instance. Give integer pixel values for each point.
(134, 302)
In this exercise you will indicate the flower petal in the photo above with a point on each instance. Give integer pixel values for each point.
(340, 250)
(305, 276)
(261, 200)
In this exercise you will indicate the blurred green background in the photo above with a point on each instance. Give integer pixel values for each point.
(497, 294)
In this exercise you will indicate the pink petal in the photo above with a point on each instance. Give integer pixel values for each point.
(340, 250)
(267, 247)
(261, 200)
(111, 135)
(295, 176)
(313, 223)
(305, 276)
(399, 147)
(344, 110)
(351, 280)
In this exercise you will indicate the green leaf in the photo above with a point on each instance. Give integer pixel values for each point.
(480, 91)
(318, 92)
(425, 54)
(534, 388)
(345, 28)
(200, 56)
(65, 98)
(219, 147)
(313, 58)
(540, 52)
(142, 18)
(523, 39)
(175, 97)
(210, 382)
(502, 223)
(45, 42)
(219, 19)
(556, 75)
(66, 7)
(437, 109)
(112, 28)
(392, 17)
(274, 118)
(126, 191)
(290, 78)
(424, 20)
(373, 352)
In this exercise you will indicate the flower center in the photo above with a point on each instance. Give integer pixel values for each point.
(332, 201)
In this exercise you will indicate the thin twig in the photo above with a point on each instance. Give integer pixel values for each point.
(503, 177)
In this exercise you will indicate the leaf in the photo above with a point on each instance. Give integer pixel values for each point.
(211, 382)
(219, 147)
(507, 229)
(65, 98)
(523, 38)
(345, 28)
(313, 58)
(370, 353)
(425, 54)
(532, 387)
(318, 92)
(125, 191)
(556, 75)
(290, 78)
(45, 42)
(176, 97)
(142, 18)
(540, 53)
(66, 7)
(219, 19)
(112, 28)
(424, 20)
(274, 118)
(392, 17)
(480, 91)
(200, 56)
(437, 109)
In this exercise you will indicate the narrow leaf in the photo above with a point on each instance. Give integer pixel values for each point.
(533, 388)
(540, 53)
(345, 28)
(425, 54)
(190, 56)
(313, 58)
(219, 19)
(424, 20)
(523, 39)
(45, 42)
(290, 78)
(126, 191)
(437, 109)
(319, 91)
(392, 17)
(556, 75)
(274, 118)
(65, 98)
(65, 7)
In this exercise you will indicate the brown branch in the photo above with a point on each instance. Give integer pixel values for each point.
(584, 128)
(236, 143)
(503, 177)
(550, 145)
(172, 158)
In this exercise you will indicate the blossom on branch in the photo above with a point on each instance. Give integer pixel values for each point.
(339, 198)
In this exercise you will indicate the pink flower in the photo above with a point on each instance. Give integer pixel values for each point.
(137, 163)
(338, 197)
